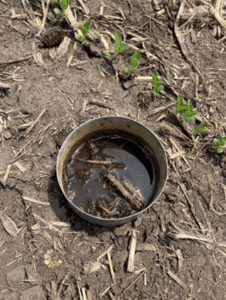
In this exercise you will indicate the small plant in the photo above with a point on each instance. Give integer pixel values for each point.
(199, 129)
(63, 4)
(84, 29)
(135, 60)
(189, 113)
(158, 87)
(219, 143)
(119, 46)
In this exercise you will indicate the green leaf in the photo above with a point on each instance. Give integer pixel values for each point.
(122, 48)
(190, 111)
(54, 1)
(171, 111)
(106, 52)
(127, 70)
(220, 150)
(199, 129)
(80, 38)
(216, 142)
(154, 78)
(223, 138)
(180, 104)
(159, 88)
(180, 108)
(64, 4)
(221, 142)
(190, 108)
(188, 119)
(135, 59)
(180, 100)
(85, 27)
(57, 11)
(118, 41)
(136, 71)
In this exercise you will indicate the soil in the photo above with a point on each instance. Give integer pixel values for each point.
(46, 250)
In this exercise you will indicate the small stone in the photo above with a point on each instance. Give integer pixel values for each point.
(7, 134)
(211, 110)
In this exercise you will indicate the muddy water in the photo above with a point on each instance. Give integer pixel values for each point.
(86, 185)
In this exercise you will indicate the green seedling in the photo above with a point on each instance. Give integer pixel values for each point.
(199, 129)
(84, 29)
(158, 87)
(219, 143)
(135, 60)
(63, 4)
(189, 113)
(119, 46)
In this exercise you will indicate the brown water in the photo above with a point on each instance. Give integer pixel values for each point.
(89, 190)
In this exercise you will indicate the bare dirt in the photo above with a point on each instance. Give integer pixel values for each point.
(46, 250)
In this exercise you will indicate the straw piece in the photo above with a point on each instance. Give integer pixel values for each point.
(4, 180)
(35, 201)
(175, 278)
(111, 268)
(36, 121)
(19, 166)
(103, 254)
(133, 242)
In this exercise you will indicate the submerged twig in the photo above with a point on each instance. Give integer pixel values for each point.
(136, 202)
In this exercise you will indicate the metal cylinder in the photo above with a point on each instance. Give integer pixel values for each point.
(133, 129)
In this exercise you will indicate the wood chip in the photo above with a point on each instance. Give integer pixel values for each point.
(133, 242)
(180, 258)
(145, 247)
(71, 54)
(4, 85)
(89, 295)
(91, 267)
(8, 224)
(63, 48)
